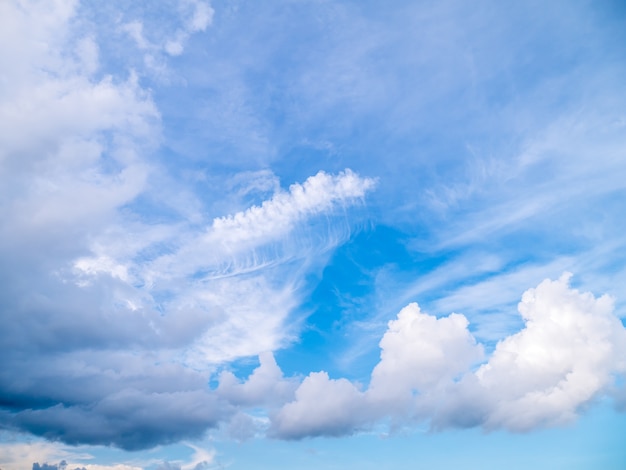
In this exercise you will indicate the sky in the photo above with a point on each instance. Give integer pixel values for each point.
(312, 234)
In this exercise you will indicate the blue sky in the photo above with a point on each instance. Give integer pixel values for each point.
(312, 234)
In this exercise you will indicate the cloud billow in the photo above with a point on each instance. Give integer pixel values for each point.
(569, 353)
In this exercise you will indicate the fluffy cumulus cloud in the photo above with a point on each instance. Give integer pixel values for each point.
(570, 349)
(265, 386)
(420, 353)
(322, 406)
(431, 369)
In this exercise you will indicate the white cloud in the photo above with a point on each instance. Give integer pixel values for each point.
(421, 353)
(200, 459)
(69, 147)
(248, 318)
(566, 355)
(322, 406)
(175, 46)
(76, 148)
(265, 386)
(237, 270)
(103, 264)
(74, 155)
(251, 182)
(87, 53)
(135, 30)
(318, 194)
(569, 352)
(266, 234)
(241, 273)
(202, 16)
(70, 144)
(195, 16)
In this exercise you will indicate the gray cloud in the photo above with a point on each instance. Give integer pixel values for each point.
(128, 419)
(60, 466)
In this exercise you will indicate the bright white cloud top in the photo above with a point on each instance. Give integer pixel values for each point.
(237, 230)
(570, 350)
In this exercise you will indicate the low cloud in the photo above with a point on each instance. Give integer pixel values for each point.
(60, 466)
(128, 419)
(420, 353)
(322, 407)
(568, 354)
(265, 386)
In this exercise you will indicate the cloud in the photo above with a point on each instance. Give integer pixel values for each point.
(20, 451)
(322, 407)
(200, 460)
(318, 194)
(421, 353)
(60, 466)
(127, 360)
(128, 419)
(195, 16)
(71, 146)
(569, 352)
(258, 237)
(18, 455)
(265, 386)
(199, 17)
